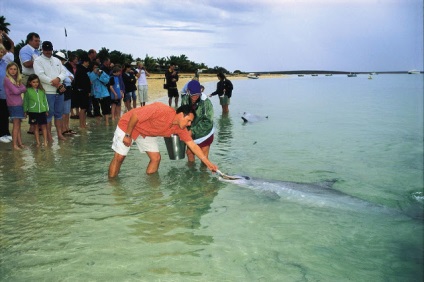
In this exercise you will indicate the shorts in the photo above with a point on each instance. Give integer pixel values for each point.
(142, 93)
(104, 105)
(55, 106)
(116, 102)
(74, 99)
(173, 92)
(130, 95)
(66, 107)
(148, 144)
(82, 99)
(37, 118)
(224, 100)
(207, 142)
(16, 112)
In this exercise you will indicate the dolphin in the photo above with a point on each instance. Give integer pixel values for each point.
(313, 194)
(247, 117)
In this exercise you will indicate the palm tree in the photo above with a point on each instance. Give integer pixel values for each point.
(4, 25)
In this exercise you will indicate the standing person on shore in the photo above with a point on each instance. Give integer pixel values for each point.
(27, 55)
(202, 128)
(144, 125)
(14, 89)
(36, 107)
(92, 55)
(99, 81)
(5, 136)
(117, 90)
(171, 76)
(51, 73)
(142, 86)
(82, 88)
(67, 82)
(71, 66)
(224, 89)
(129, 81)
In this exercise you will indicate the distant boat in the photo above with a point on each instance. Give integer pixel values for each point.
(300, 75)
(329, 74)
(314, 74)
(370, 77)
(351, 75)
(252, 75)
(414, 72)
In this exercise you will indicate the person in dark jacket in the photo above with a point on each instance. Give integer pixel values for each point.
(82, 88)
(224, 89)
(130, 80)
(171, 76)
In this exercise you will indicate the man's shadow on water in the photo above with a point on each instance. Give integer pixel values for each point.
(172, 207)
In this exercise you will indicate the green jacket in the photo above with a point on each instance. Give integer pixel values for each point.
(35, 102)
(202, 124)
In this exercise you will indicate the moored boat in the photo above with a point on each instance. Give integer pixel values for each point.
(252, 75)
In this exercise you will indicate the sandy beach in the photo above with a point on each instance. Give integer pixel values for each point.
(155, 82)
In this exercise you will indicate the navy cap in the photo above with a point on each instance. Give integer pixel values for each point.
(194, 87)
(47, 46)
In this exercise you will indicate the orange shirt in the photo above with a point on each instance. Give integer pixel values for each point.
(154, 120)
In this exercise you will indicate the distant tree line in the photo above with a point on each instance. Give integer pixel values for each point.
(117, 57)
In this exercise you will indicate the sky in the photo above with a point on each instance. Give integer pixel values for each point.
(246, 35)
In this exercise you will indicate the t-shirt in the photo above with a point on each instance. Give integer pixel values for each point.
(142, 78)
(154, 120)
(28, 53)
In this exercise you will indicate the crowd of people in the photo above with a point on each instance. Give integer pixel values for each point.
(54, 88)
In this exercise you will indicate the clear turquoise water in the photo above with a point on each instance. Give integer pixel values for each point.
(62, 220)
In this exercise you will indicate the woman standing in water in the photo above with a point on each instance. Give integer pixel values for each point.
(224, 89)
(201, 128)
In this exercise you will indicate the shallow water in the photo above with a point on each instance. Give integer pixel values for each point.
(62, 220)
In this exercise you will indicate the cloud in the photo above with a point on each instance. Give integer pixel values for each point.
(248, 35)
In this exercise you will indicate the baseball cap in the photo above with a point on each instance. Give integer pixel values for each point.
(194, 87)
(47, 46)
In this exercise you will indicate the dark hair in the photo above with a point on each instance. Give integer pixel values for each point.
(221, 75)
(31, 77)
(94, 64)
(7, 44)
(186, 110)
(84, 58)
(72, 56)
(30, 36)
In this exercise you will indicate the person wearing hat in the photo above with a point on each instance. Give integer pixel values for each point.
(67, 96)
(52, 74)
(202, 128)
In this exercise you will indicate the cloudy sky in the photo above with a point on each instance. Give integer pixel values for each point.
(247, 35)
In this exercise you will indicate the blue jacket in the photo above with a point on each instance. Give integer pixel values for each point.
(99, 84)
(3, 66)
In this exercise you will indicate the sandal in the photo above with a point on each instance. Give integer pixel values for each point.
(72, 132)
(66, 132)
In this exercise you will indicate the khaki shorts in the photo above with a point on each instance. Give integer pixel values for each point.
(148, 144)
(224, 100)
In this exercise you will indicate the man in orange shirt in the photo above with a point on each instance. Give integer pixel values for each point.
(143, 125)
